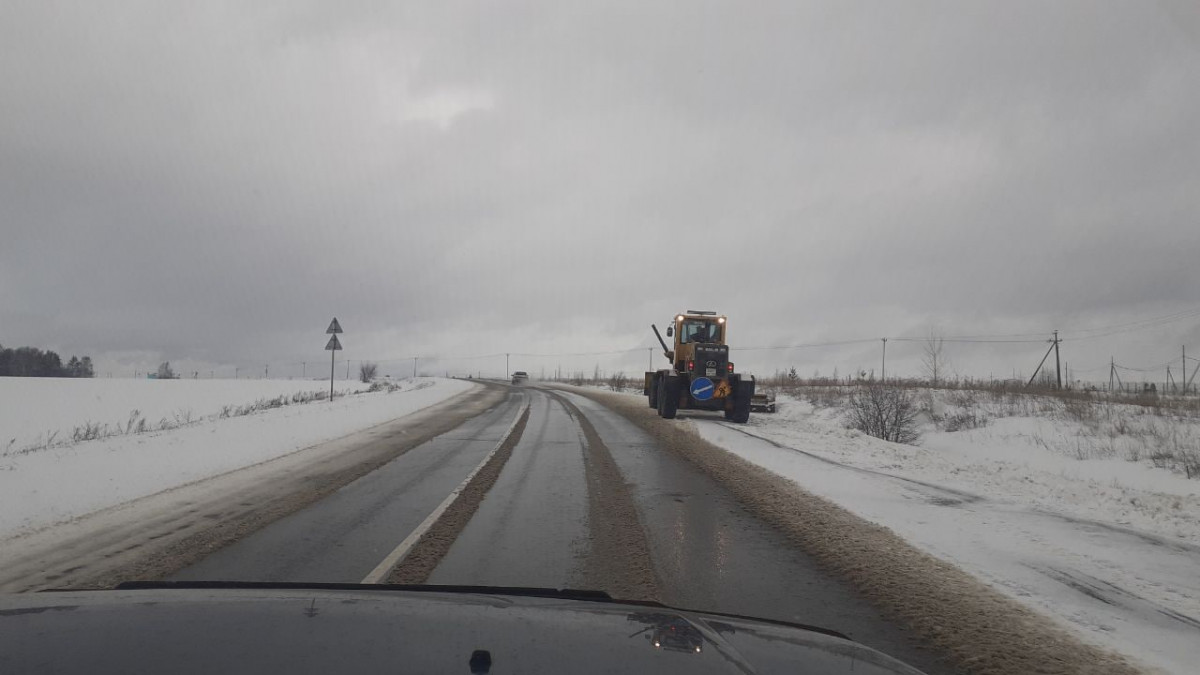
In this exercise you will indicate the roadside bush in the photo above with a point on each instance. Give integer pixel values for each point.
(962, 398)
(826, 396)
(88, 431)
(1079, 409)
(967, 419)
(367, 370)
(885, 412)
(618, 381)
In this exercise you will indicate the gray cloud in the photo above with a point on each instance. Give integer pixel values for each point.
(209, 183)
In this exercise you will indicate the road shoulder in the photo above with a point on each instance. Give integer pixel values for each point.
(152, 537)
(975, 627)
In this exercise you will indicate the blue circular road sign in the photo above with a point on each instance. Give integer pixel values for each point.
(702, 389)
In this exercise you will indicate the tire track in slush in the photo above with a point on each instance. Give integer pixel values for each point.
(618, 560)
(420, 561)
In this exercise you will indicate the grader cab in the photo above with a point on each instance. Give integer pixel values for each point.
(701, 376)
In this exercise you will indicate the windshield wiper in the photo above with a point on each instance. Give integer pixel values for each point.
(558, 593)
(553, 593)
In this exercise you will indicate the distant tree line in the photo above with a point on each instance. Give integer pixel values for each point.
(33, 362)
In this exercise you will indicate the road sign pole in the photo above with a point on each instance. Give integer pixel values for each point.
(333, 346)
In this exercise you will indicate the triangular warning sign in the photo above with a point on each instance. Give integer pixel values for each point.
(334, 327)
(333, 344)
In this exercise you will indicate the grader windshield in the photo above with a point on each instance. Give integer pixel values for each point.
(699, 330)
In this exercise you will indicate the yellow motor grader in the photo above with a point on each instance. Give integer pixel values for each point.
(701, 377)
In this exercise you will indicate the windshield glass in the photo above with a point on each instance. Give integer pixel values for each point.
(876, 316)
(699, 330)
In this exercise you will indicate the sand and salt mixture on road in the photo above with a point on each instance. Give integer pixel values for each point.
(977, 628)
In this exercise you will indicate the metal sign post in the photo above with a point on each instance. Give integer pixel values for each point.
(332, 346)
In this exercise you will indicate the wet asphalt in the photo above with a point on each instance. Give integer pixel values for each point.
(343, 537)
(710, 554)
(532, 528)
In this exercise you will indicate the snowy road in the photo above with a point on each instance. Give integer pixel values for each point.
(552, 488)
(533, 486)
(586, 500)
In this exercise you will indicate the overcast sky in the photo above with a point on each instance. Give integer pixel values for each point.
(211, 182)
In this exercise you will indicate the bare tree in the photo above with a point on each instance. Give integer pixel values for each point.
(884, 412)
(367, 370)
(934, 358)
(618, 381)
(164, 371)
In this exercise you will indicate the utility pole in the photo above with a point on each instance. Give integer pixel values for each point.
(506, 370)
(1057, 367)
(266, 371)
(303, 369)
(1040, 364)
(347, 369)
(1112, 371)
(414, 366)
(1183, 369)
(235, 372)
(883, 368)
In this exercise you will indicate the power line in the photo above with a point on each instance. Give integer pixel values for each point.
(967, 340)
(1135, 325)
(1151, 369)
(808, 345)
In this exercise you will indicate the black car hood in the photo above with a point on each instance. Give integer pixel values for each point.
(324, 630)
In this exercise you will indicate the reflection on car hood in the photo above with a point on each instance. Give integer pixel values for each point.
(334, 629)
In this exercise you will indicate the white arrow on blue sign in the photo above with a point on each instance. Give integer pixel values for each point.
(702, 389)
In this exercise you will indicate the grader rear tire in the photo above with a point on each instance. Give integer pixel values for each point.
(669, 395)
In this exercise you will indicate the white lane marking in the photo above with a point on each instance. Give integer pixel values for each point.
(384, 568)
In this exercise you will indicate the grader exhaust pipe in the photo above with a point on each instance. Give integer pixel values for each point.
(666, 351)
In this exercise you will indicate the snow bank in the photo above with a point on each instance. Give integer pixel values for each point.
(62, 482)
(1108, 547)
(1009, 459)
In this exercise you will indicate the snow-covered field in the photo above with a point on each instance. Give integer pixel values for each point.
(36, 411)
(195, 429)
(1108, 546)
